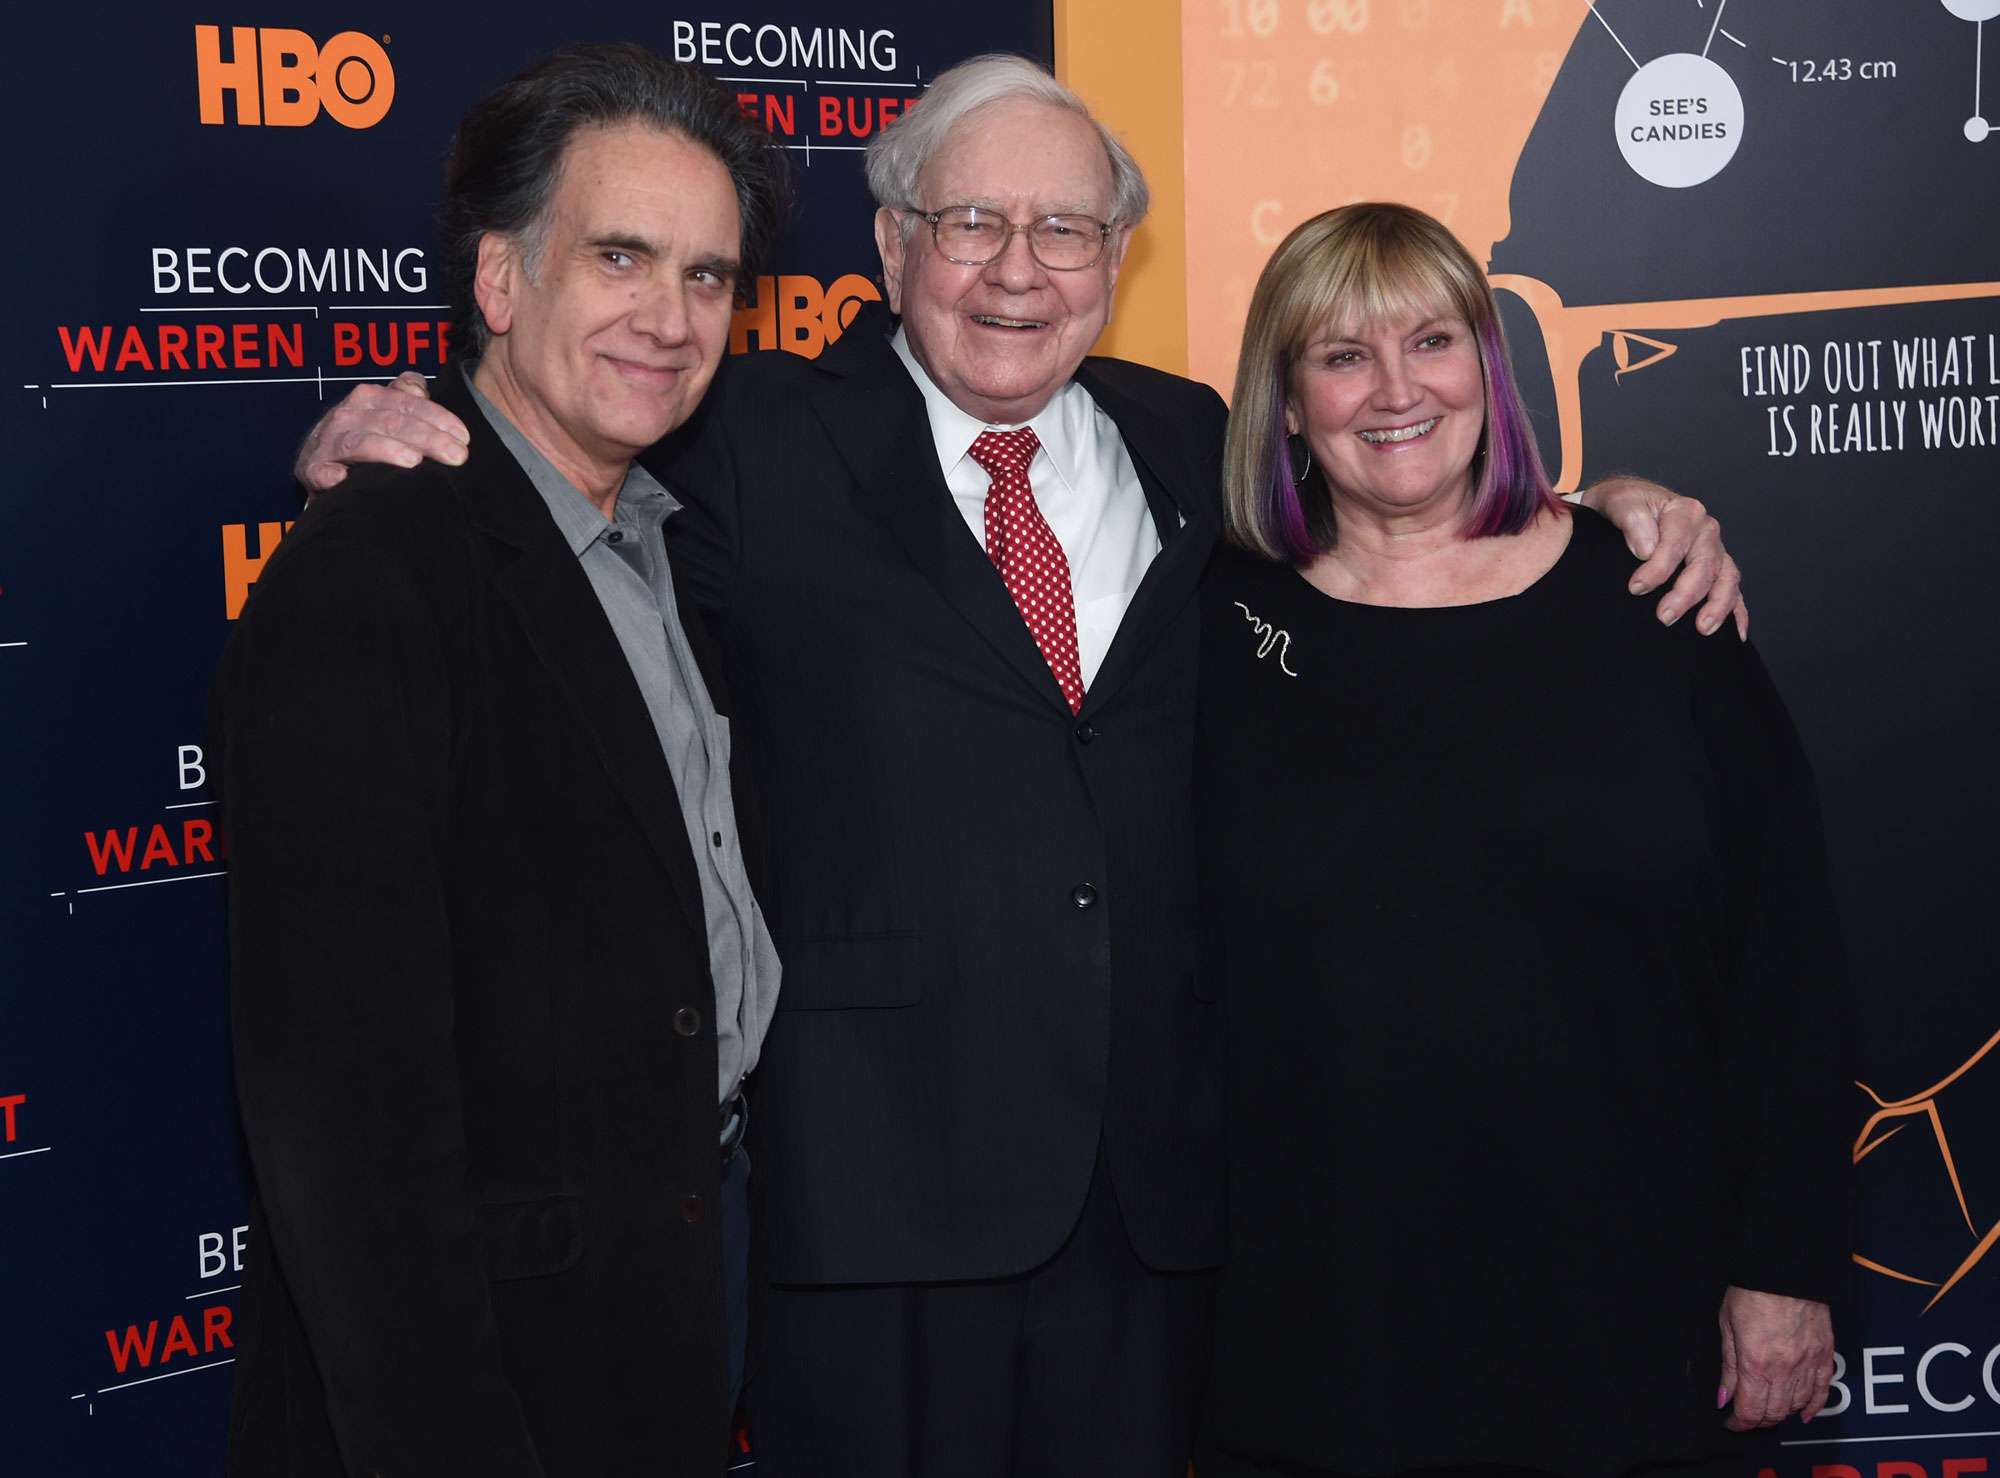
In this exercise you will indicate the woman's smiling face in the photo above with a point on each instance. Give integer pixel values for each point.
(1393, 411)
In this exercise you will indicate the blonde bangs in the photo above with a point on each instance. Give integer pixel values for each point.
(1368, 271)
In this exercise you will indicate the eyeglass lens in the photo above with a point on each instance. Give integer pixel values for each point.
(974, 237)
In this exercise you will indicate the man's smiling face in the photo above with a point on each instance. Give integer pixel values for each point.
(1002, 339)
(608, 345)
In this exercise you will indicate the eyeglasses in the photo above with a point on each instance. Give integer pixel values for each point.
(972, 236)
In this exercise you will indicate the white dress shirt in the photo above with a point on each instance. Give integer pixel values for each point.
(1086, 487)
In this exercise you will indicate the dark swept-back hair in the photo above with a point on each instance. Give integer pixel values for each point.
(507, 155)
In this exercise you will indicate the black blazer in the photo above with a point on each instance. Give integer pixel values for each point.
(986, 905)
(465, 925)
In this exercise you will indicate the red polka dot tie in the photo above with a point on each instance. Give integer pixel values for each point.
(1024, 549)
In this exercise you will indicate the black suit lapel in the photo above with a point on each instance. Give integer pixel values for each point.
(874, 415)
(548, 590)
(1171, 477)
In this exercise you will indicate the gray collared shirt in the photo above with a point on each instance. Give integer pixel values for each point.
(626, 561)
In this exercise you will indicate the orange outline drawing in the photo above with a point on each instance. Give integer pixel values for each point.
(1569, 334)
(1924, 1104)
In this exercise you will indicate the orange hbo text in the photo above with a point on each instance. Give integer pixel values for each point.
(795, 313)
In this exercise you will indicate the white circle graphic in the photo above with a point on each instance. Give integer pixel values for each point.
(1679, 120)
(1973, 10)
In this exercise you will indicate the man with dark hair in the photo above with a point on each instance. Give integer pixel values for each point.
(497, 959)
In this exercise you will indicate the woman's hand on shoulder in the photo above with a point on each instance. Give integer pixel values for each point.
(1777, 1357)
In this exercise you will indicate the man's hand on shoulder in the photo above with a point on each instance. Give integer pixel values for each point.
(1669, 532)
(395, 423)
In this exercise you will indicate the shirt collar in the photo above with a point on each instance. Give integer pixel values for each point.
(1058, 426)
(642, 502)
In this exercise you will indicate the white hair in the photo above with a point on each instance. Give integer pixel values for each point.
(897, 155)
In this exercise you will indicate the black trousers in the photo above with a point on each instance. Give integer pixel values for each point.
(1089, 1366)
(1220, 1465)
(1224, 1464)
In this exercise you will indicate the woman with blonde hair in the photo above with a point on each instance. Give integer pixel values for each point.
(1536, 1151)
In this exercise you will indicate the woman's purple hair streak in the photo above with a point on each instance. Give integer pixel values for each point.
(1512, 487)
(1357, 265)
(1284, 514)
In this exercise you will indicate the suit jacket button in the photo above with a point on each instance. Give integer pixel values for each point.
(687, 1022)
(693, 1209)
(1085, 732)
(1083, 894)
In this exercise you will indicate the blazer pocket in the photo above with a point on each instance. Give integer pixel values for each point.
(833, 974)
(531, 1239)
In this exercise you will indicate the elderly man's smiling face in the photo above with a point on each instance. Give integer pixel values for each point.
(1002, 339)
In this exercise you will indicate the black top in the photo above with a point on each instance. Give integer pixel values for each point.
(1533, 997)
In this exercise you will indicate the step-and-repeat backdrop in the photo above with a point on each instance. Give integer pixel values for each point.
(219, 220)
(1752, 248)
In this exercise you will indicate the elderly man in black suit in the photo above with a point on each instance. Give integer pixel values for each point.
(496, 954)
(952, 562)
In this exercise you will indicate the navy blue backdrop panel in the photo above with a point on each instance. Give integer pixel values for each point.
(218, 221)
(1833, 392)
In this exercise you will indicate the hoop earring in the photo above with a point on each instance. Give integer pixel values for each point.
(1291, 458)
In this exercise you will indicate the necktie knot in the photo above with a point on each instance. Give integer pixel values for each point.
(1005, 451)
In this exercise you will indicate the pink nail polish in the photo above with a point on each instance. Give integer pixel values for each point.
(1721, 1397)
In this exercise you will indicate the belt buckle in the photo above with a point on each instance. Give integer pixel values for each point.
(735, 1119)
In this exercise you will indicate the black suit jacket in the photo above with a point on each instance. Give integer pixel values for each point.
(986, 905)
(465, 926)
